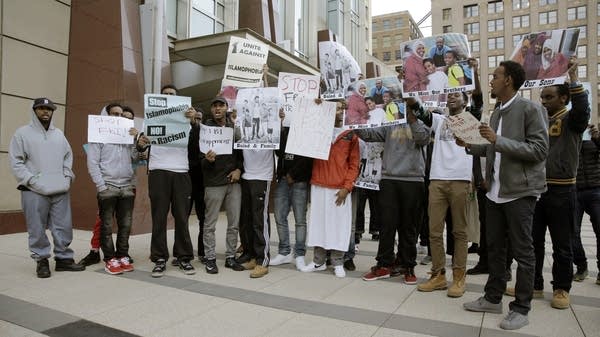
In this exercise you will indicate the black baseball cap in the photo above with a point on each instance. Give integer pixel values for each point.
(219, 99)
(43, 102)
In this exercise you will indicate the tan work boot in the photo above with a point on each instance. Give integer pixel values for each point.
(437, 281)
(560, 299)
(457, 289)
(250, 264)
(259, 271)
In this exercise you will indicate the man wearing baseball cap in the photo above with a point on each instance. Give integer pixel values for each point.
(41, 159)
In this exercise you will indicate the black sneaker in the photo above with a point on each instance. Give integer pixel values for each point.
(243, 258)
(186, 267)
(92, 258)
(43, 268)
(478, 270)
(473, 249)
(202, 259)
(231, 263)
(375, 236)
(175, 262)
(349, 265)
(211, 266)
(159, 268)
(68, 265)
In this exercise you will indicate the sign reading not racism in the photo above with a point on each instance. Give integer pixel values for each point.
(164, 119)
(245, 61)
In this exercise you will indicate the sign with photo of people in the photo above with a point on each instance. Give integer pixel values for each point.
(437, 65)
(258, 118)
(374, 102)
(338, 69)
(545, 56)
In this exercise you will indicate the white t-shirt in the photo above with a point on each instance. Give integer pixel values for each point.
(377, 116)
(437, 81)
(258, 165)
(174, 159)
(448, 160)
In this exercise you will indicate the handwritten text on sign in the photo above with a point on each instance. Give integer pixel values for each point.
(466, 127)
(109, 130)
(291, 86)
(216, 138)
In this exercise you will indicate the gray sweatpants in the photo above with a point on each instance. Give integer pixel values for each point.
(51, 212)
(214, 197)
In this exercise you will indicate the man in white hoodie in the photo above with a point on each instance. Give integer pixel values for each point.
(41, 159)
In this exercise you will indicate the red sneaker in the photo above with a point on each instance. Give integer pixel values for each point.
(126, 264)
(409, 276)
(377, 273)
(113, 267)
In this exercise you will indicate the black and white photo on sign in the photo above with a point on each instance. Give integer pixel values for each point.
(338, 69)
(369, 173)
(258, 118)
(436, 65)
(545, 56)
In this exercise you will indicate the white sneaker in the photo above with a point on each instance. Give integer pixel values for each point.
(281, 259)
(339, 271)
(313, 267)
(300, 264)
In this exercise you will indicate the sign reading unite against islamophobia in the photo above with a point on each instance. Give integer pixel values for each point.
(338, 69)
(311, 131)
(291, 87)
(435, 66)
(164, 119)
(545, 56)
(245, 61)
(109, 130)
(216, 138)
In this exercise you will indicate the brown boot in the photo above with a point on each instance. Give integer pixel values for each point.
(437, 281)
(457, 289)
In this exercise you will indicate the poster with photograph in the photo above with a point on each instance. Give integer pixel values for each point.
(164, 119)
(369, 172)
(374, 102)
(216, 138)
(437, 65)
(291, 86)
(338, 69)
(545, 56)
(311, 131)
(109, 130)
(258, 118)
(245, 61)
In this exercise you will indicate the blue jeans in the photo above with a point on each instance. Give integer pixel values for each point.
(588, 202)
(293, 196)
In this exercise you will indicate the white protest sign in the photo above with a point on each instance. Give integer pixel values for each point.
(371, 162)
(291, 86)
(164, 119)
(311, 130)
(245, 61)
(109, 130)
(216, 138)
(258, 118)
(466, 127)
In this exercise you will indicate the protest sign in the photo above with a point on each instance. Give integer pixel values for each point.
(164, 119)
(109, 130)
(545, 56)
(258, 118)
(435, 66)
(291, 86)
(370, 165)
(216, 138)
(466, 127)
(311, 131)
(245, 61)
(366, 106)
(338, 69)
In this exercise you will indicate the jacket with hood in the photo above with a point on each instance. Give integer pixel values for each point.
(110, 164)
(41, 159)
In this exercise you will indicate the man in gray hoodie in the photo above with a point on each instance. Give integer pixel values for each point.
(41, 159)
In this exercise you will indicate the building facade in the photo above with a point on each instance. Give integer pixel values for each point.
(495, 27)
(389, 31)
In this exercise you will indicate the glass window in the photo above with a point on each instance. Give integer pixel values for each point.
(576, 13)
(447, 29)
(399, 23)
(386, 56)
(201, 24)
(446, 13)
(582, 31)
(375, 42)
(471, 10)
(386, 42)
(581, 51)
(520, 4)
(472, 28)
(598, 49)
(206, 6)
(521, 21)
(582, 71)
(386, 24)
(516, 39)
(547, 2)
(548, 17)
(598, 70)
(474, 45)
(496, 43)
(398, 54)
(495, 25)
(495, 7)
(494, 61)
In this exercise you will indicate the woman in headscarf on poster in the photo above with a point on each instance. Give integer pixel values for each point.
(415, 76)
(554, 63)
(533, 59)
(357, 111)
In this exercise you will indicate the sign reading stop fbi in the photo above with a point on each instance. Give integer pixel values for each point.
(292, 86)
(164, 119)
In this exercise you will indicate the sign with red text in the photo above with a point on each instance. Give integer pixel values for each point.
(109, 130)
(291, 86)
(466, 127)
(312, 129)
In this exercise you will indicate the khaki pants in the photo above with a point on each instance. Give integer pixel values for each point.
(444, 194)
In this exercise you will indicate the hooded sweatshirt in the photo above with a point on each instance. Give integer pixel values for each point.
(110, 164)
(41, 159)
